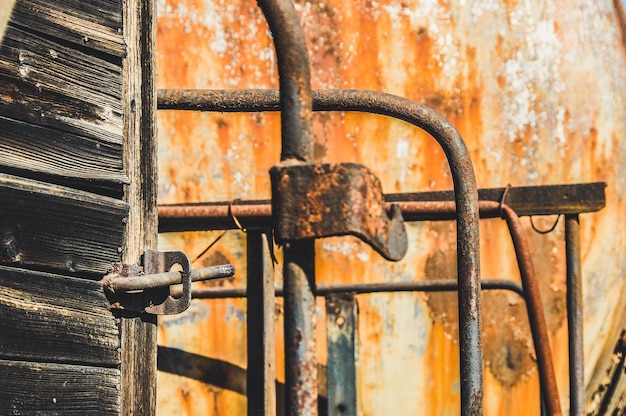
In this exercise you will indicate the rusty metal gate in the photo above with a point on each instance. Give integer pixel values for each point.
(312, 200)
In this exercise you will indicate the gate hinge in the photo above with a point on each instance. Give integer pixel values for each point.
(147, 289)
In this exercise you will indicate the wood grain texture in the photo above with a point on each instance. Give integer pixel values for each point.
(54, 318)
(90, 24)
(57, 389)
(61, 109)
(138, 334)
(63, 178)
(60, 229)
(59, 157)
(48, 83)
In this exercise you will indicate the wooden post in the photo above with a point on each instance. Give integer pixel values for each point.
(138, 334)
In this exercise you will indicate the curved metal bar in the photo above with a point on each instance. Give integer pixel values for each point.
(299, 257)
(466, 198)
(259, 212)
(294, 76)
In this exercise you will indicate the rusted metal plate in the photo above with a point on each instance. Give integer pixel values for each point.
(316, 201)
(536, 91)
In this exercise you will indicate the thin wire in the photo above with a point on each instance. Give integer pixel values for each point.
(209, 246)
(558, 217)
(235, 220)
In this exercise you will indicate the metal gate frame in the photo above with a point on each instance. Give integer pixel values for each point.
(296, 101)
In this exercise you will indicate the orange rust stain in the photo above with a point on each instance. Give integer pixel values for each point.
(441, 365)
(508, 350)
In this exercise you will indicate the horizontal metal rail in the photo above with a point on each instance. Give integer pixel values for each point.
(438, 285)
(465, 194)
(257, 214)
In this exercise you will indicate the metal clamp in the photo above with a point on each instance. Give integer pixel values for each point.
(324, 200)
(148, 290)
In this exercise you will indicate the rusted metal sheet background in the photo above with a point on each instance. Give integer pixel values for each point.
(536, 89)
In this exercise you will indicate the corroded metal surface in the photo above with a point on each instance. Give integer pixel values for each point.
(534, 89)
(294, 76)
(315, 201)
(575, 323)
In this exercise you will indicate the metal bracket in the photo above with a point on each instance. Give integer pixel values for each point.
(162, 261)
(148, 290)
(325, 200)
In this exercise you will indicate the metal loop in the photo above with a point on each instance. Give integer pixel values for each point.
(548, 231)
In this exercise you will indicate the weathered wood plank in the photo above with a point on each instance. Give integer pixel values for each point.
(59, 157)
(46, 83)
(57, 389)
(90, 24)
(59, 229)
(138, 334)
(54, 318)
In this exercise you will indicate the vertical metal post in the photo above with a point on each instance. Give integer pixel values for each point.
(574, 315)
(297, 147)
(341, 373)
(300, 322)
(261, 374)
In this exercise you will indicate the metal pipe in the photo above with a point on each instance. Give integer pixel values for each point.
(299, 257)
(466, 198)
(257, 214)
(534, 306)
(294, 77)
(151, 281)
(438, 285)
(574, 316)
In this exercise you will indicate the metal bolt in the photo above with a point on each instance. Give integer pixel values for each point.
(150, 281)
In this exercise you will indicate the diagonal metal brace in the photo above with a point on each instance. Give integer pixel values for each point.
(333, 199)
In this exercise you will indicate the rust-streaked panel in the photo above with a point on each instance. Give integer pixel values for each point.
(537, 92)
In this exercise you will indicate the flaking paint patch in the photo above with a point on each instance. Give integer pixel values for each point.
(511, 358)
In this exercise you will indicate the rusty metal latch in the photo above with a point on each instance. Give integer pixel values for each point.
(136, 289)
(333, 199)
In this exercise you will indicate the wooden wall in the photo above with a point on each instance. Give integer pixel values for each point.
(537, 91)
(73, 202)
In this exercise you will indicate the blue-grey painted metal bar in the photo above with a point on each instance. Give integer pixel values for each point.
(341, 318)
(261, 340)
(574, 315)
